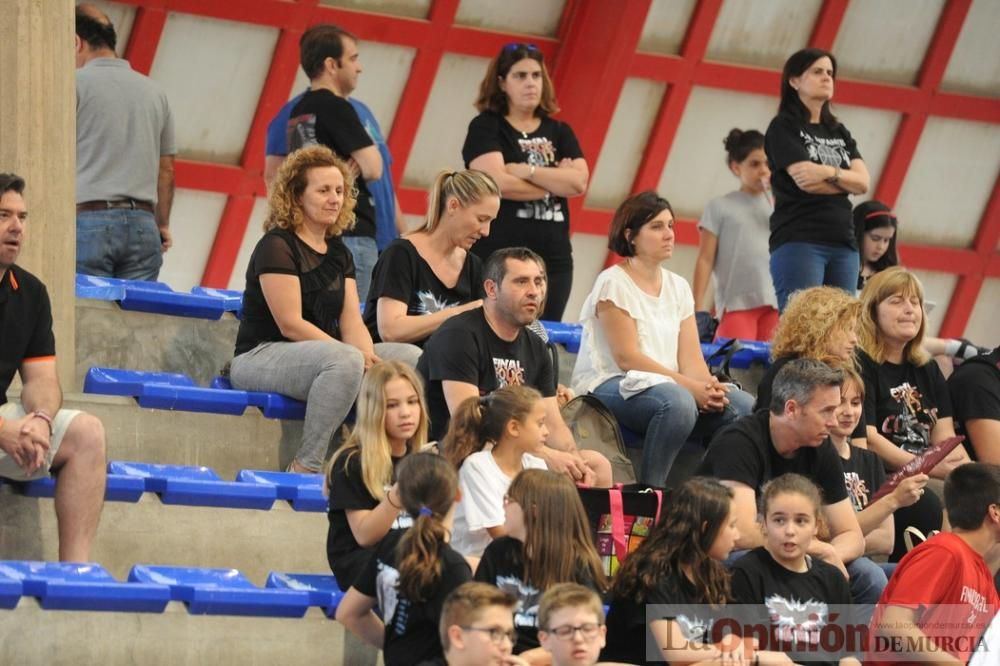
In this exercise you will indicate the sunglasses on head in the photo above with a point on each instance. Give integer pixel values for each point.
(514, 46)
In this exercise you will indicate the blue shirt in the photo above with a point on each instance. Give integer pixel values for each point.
(382, 190)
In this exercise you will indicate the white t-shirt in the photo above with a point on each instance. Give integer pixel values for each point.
(483, 486)
(658, 321)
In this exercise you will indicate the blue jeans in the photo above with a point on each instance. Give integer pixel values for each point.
(667, 415)
(796, 266)
(365, 254)
(121, 243)
(867, 581)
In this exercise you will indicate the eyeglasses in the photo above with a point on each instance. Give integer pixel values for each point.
(497, 634)
(514, 46)
(588, 630)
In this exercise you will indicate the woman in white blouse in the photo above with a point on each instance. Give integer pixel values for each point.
(640, 353)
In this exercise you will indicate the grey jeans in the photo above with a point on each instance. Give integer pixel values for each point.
(325, 374)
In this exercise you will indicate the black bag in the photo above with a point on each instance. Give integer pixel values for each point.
(620, 518)
(595, 428)
(707, 325)
(726, 351)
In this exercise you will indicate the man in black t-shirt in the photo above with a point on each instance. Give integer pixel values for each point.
(36, 436)
(975, 399)
(793, 436)
(330, 59)
(479, 351)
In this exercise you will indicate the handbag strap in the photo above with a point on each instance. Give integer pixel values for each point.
(617, 523)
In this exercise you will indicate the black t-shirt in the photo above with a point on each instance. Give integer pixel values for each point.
(800, 602)
(465, 349)
(767, 383)
(904, 402)
(411, 627)
(403, 275)
(349, 493)
(629, 640)
(323, 117)
(541, 225)
(975, 389)
(798, 215)
(321, 281)
(502, 565)
(743, 452)
(863, 475)
(25, 324)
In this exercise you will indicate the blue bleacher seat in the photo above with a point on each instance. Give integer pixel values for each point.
(119, 488)
(222, 592)
(196, 486)
(164, 390)
(567, 335)
(155, 297)
(84, 586)
(272, 405)
(232, 300)
(322, 589)
(303, 491)
(10, 589)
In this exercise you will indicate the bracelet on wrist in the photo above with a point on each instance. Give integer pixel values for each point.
(39, 414)
(531, 172)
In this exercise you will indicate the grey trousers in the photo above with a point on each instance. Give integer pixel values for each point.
(325, 374)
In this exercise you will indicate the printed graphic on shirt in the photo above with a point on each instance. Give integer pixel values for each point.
(539, 151)
(830, 152)
(796, 621)
(387, 587)
(430, 303)
(976, 601)
(694, 628)
(302, 131)
(526, 613)
(508, 371)
(857, 490)
(910, 429)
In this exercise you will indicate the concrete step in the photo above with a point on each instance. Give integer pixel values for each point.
(108, 336)
(223, 442)
(149, 532)
(31, 635)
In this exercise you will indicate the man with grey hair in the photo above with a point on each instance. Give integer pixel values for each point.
(793, 436)
(124, 159)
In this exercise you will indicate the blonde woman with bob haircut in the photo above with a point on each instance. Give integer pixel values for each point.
(301, 333)
(820, 323)
(430, 275)
(907, 404)
(361, 478)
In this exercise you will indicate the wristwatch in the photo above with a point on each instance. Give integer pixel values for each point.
(835, 178)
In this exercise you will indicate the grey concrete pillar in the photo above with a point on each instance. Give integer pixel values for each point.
(38, 142)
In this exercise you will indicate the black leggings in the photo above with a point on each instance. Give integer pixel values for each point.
(559, 285)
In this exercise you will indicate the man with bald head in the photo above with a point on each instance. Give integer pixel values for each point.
(124, 159)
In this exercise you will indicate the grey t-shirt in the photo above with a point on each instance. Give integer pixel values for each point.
(742, 274)
(123, 126)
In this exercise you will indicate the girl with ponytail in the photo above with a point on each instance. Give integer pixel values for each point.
(411, 571)
(491, 439)
(429, 276)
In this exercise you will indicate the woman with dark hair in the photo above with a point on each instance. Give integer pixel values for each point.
(301, 333)
(733, 245)
(639, 353)
(815, 165)
(535, 160)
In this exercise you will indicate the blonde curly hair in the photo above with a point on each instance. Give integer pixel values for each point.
(284, 202)
(811, 318)
(878, 288)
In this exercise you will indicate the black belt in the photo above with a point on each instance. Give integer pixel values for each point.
(130, 204)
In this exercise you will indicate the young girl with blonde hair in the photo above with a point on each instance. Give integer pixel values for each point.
(364, 500)
(491, 439)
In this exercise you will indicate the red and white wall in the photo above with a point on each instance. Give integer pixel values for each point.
(651, 87)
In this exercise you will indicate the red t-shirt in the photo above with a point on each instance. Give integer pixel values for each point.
(951, 590)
